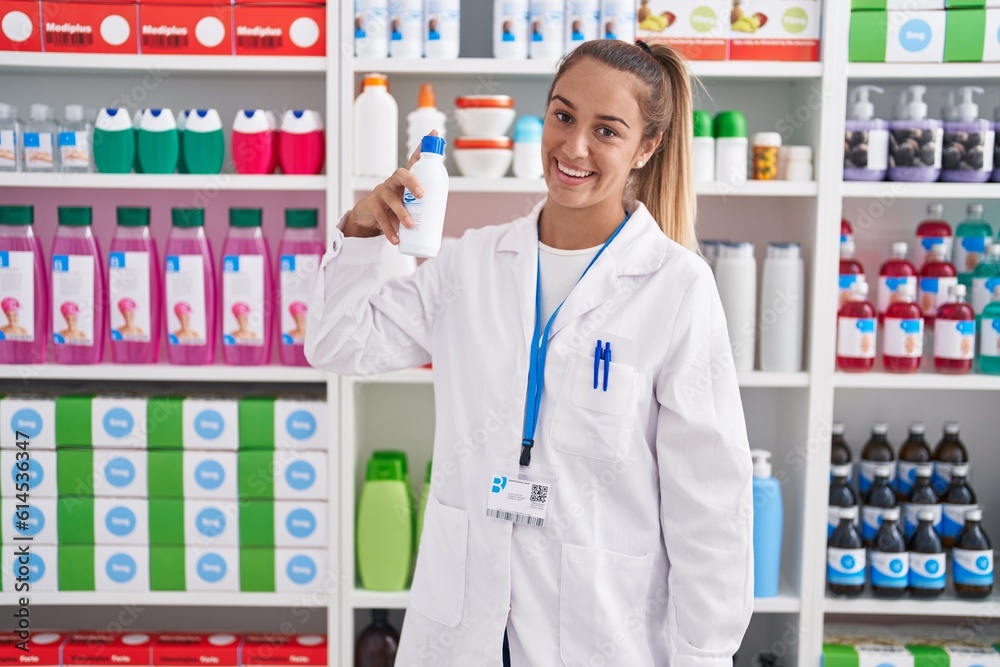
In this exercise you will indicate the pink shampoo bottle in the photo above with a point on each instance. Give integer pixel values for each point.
(23, 298)
(299, 255)
(255, 142)
(247, 291)
(78, 301)
(302, 145)
(190, 290)
(134, 308)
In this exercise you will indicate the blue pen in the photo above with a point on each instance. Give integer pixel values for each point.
(607, 364)
(598, 355)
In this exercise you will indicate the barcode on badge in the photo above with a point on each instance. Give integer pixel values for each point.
(539, 493)
(69, 38)
(516, 517)
(259, 42)
(165, 41)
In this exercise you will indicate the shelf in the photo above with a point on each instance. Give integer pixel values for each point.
(170, 599)
(164, 181)
(490, 67)
(923, 71)
(99, 62)
(946, 605)
(750, 379)
(924, 380)
(891, 190)
(537, 186)
(163, 373)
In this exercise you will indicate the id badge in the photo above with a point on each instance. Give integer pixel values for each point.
(520, 495)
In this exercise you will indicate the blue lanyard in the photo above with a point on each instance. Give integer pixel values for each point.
(539, 350)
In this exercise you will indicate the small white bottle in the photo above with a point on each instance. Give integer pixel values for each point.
(781, 309)
(406, 25)
(424, 239)
(618, 20)
(371, 28)
(74, 140)
(528, 147)
(731, 148)
(376, 129)
(510, 29)
(582, 18)
(736, 278)
(38, 140)
(10, 156)
(703, 148)
(546, 25)
(427, 117)
(442, 23)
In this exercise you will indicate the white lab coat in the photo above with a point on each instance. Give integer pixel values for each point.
(645, 558)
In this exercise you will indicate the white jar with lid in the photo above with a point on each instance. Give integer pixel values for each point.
(765, 156)
(795, 163)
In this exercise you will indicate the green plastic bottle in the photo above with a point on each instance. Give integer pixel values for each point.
(159, 145)
(426, 491)
(114, 142)
(182, 117)
(984, 279)
(972, 237)
(384, 544)
(136, 120)
(203, 142)
(989, 336)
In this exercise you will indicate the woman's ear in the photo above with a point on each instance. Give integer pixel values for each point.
(647, 148)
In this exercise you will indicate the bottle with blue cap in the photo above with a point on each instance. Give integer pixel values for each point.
(158, 142)
(204, 144)
(528, 147)
(427, 212)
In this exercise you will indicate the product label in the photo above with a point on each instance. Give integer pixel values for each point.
(856, 337)
(8, 150)
(969, 252)
(890, 570)
(74, 149)
(888, 289)
(911, 517)
(581, 22)
(953, 518)
(514, 21)
(17, 295)
(924, 245)
(845, 566)
(941, 478)
(955, 339)
(187, 321)
(906, 476)
(982, 293)
(547, 23)
(968, 151)
(405, 22)
(39, 150)
(243, 300)
(903, 338)
(972, 568)
(871, 520)
(442, 21)
(989, 342)
(934, 293)
(866, 149)
(915, 147)
(73, 300)
(298, 282)
(130, 292)
(866, 471)
(844, 284)
(927, 570)
(369, 21)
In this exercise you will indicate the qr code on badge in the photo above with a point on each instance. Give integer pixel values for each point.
(539, 493)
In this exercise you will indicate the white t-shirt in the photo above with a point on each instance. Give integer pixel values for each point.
(561, 270)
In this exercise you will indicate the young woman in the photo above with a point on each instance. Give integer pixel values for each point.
(591, 495)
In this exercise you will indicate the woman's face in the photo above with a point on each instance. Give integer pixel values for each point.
(592, 135)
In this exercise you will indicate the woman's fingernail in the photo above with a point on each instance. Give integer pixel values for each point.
(395, 239)
(418, 193)
(409, 221)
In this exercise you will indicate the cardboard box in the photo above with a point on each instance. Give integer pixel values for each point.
(282, 570)
(846, 645)
(282, 475)
(120, 568)
(42, 575)
(697, 30)
(205, 523)
(787, 30)
(102, 473)
(945, 647)
(193, 475)
(38, 521)
(283, 423)
(20, 26)
(280, 30)
(194, 568)
(897, 36)
(211, 423)
(119, 422)
(175, 649)
(107, 648)
(40, 469)
(42, 648)
(81, 27)
(195, 29)
(31, 415)
(899, 4)
(972, 35)
(286, 523)
(103, 521)
(991, 48)
(283, 650)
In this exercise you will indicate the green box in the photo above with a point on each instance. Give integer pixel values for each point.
(166, 522)
(167, 568)
(965, 4)
(75, 472)
(73, 421)
(166, 474)
(257, 523)
(257, 423)
(867, 41)
(76, 567)
(165, 422)
(256, 474)
(256, 570)
(965, 36)
(76, 520)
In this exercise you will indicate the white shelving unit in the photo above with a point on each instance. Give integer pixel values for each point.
(923, 72)
(99, 62)
(165, 373)
(168, 599)
(275, 183)
(926, 191)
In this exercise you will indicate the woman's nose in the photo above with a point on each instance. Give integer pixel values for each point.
(576, 144)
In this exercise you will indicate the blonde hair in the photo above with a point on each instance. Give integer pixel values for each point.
(664, 184)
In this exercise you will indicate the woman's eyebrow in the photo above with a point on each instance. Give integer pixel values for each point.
(614, 119)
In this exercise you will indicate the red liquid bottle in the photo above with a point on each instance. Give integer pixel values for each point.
(895, 272)
(937, 275)
(955, 334)
(846, 232)
(932, 232)
(851, 270)
(903, 334)
(856, 335)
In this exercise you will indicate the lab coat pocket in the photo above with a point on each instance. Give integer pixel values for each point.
(438, 590)
(602, 602)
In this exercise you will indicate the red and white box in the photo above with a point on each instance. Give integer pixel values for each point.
(277, 650)
(20, 25)
(696, 30)
(177, 649)
(42, 648)
(84, 27)
(132, 649)
(185, 29)
(775, 30)
(280, 29)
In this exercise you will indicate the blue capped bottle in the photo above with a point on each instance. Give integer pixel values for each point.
(972, 569)
(890, 563)
(878, 498)
(846, 557)
(928, 565)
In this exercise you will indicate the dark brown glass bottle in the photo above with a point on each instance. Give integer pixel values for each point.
(877, 451)
(913, 452)
(846, 557)
(949, 452)
(972, 559)
(378, 643)
(840, 453)
(928, 564)
(888, 561)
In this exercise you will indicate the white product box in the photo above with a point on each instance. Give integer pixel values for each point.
(121, 521)
(43, 570)
(120, 474)
(121, 568)
(211, 423)
(915, 37)
(38, 521)
(697, 30)
(300, 424)
(41, 472)
(991, 49)
(776, 30)
(212, 569)
(210, 475)
(119, 421)
(34, 416)
(302, 524)
(211, 523)
(300, 475)
(299, 570)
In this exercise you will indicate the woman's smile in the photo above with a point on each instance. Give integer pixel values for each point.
(567, 174)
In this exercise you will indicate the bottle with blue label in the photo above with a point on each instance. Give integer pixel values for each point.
(928, 565)
(846, 557)
(949, 452)
(38, 140)
(957, 500)
(878, 498)
(877, 451)
(972, 236)
(74, 140)
(914, 452)
(972, 566)
(767, 526)
(989, 341)
(10, 129)
(921, 498)
(890, 563)
(840, 453)
(841, 495)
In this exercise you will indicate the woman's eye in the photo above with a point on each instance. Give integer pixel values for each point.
(562, 117)
(607, 132)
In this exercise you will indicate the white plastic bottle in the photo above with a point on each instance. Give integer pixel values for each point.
(427, 117)
(546, 25)
(703, 148)
(731, 148)
(371, 28)
(528, 147)
(618, 20)
(74, 140)
(424, 239)
(582, 17)
(781, 309)
(510, 29)
(38, 140)
(406, 25)
(10, 156)
(442, 28)
(376, 129)
(736, 277)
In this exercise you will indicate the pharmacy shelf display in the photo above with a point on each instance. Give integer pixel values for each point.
(272, 182)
